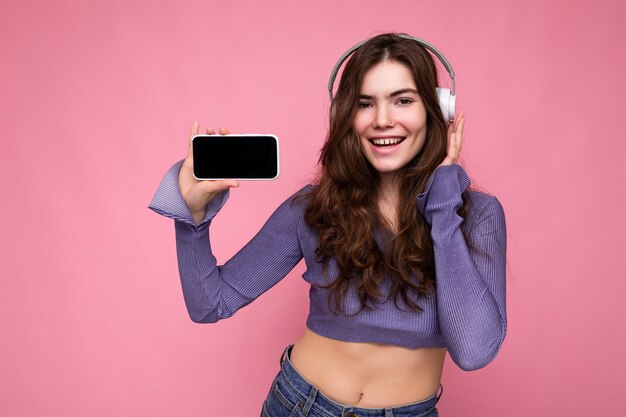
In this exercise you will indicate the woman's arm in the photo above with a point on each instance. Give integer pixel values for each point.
(470, 284)
(215, 292)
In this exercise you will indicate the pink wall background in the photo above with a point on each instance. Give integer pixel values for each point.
(96, 100)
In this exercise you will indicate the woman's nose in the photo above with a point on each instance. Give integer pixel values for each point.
(383, 117)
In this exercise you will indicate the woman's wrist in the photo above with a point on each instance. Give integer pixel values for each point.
(198, 216)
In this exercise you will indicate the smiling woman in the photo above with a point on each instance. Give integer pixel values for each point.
(405, 262)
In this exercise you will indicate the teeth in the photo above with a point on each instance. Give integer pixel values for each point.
(386, 141)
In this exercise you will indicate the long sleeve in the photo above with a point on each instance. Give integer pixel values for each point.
(215, 292)
(470, 284)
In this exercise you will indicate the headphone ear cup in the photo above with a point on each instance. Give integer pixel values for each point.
(447, 102)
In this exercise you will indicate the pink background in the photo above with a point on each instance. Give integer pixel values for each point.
(96, 100)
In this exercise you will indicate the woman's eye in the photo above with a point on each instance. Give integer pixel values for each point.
(364, 104)
(405, 101)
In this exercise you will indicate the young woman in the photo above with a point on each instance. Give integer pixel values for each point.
(405, 262)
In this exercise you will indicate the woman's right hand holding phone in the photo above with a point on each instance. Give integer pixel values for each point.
(196, 193)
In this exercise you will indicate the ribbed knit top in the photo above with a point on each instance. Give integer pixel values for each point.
(466, 315)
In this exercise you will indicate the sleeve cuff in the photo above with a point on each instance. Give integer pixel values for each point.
(446, 184)
(169, 202)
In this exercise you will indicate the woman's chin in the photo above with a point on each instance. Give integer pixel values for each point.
(387, 171)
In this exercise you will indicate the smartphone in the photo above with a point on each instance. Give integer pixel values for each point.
(241, 157)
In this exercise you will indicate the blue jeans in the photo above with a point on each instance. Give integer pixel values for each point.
(292, 396)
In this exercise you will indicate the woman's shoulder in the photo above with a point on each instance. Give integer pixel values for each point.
(302, 194)
(297, 201)
(482, 205)
(306, 189)
(478, 197)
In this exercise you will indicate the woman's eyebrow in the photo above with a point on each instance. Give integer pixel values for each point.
(395, 93)
(403, 91)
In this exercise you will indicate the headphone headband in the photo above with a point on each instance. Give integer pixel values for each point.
(425, 44)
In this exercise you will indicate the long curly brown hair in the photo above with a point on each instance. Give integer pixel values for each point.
(343, 207)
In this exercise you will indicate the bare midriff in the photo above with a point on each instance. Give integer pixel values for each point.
(368, 375)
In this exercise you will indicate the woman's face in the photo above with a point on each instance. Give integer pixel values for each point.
(391, 119)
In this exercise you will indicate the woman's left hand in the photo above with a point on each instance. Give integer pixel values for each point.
(455, 137)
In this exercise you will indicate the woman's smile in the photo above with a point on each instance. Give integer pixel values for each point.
(385, 145)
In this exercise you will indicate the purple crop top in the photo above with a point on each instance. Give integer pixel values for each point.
(467, 315)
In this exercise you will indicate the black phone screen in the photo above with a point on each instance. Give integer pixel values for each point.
(235, 156)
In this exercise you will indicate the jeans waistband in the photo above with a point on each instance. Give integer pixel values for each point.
(313, 398)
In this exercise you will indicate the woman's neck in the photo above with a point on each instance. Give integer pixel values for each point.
(388, 199)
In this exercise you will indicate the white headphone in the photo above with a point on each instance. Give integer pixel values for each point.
(447, 98)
